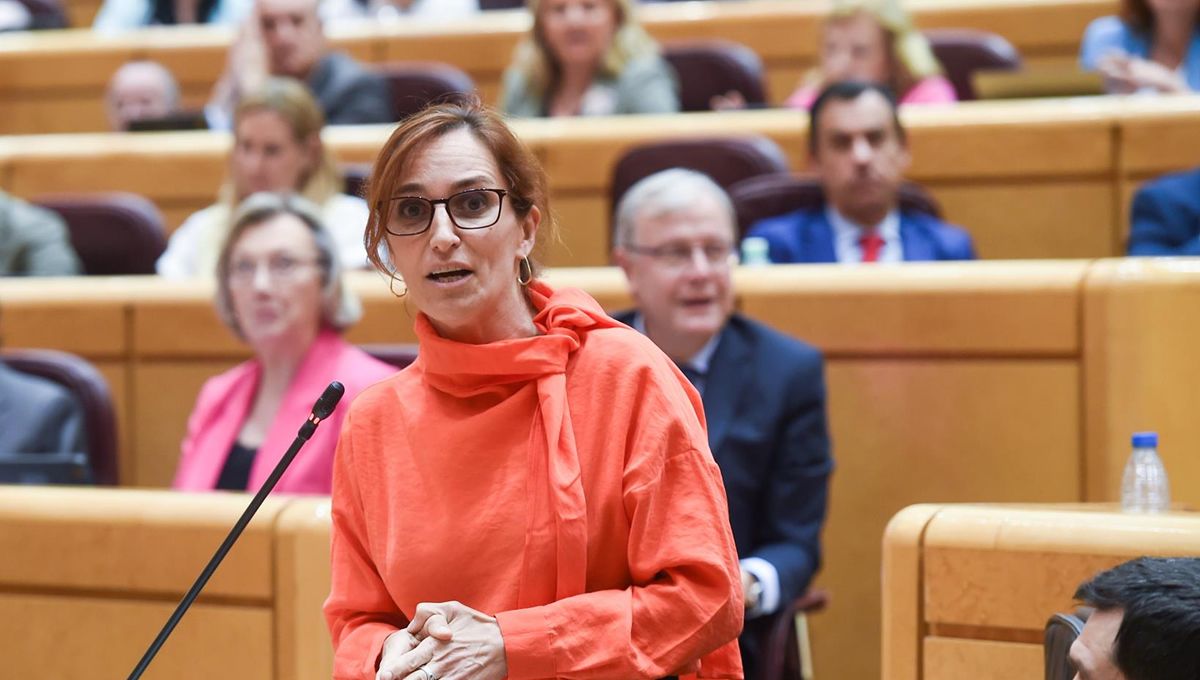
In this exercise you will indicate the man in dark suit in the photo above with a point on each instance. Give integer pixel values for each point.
(859, 151)
(763, 392)
(37, 416)
(1166, 216)
(287, 40)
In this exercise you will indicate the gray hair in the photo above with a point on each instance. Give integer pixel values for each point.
(340, 309)
(170, 85)
(663, 193)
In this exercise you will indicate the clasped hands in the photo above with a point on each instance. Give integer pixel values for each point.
(445, 641)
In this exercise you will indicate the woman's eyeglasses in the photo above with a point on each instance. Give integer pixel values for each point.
(471, 209)
(279, 268)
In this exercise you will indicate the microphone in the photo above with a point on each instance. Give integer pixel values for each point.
(321, 410)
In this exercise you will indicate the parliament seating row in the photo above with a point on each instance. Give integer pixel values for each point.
(967, 589)
(1044, 179)
(955, 382)
(54, 82)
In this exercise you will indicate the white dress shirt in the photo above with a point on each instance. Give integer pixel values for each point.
(847, 233)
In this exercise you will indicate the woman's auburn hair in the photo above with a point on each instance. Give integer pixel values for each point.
(518, 166)
(291, 100)
(532, 57)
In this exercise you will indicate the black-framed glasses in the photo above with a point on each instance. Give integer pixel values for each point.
(680, 255)
(470, 209)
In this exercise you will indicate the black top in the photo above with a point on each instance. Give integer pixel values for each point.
(236, 473)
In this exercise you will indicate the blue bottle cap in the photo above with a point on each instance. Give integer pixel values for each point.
(1145, 440)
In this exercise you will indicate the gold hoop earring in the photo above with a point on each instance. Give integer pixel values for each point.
(524, 271)
(392, 287)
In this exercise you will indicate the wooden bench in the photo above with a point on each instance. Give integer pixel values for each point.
(1042, 179)
(54, 82)
(967, 590)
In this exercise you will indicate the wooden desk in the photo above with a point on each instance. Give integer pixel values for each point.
(54, 82)
(967, 589)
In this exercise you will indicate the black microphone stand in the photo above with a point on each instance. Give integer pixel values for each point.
(321, 410)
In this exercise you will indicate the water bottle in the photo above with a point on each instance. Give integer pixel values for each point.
(756, 251)
(1144, 487)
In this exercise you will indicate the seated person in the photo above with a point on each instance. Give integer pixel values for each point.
(354, 11)
(279, 288)
(286, 39)
(1152, 46)
(763, 392)
(1165, 218)
(125, 15)
(276, 147)
(1146, 623)
(39, 416)
(140, 90)
(859, 151)
(587, 58)
(34, 241)
(874, 41)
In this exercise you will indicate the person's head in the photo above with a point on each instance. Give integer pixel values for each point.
(874, 41)
(462, 262)
(1146, 625)
(858, 149)
(293, 36)
(598, 34)
(140, 90)
(675, 238)
(1142, 14)
(277, 143)
(279, 280)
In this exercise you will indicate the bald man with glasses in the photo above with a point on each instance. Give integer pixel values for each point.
(763, 392)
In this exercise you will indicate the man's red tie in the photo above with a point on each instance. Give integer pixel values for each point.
(871, 244)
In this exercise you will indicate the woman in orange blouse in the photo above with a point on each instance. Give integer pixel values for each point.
(534, 497)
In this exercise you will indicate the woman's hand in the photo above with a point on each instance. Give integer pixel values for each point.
(453, 642)
(1127, 74)
(395, 646)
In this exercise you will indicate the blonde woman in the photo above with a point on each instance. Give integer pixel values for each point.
(276, 147)
(587, 57)
(875, 41)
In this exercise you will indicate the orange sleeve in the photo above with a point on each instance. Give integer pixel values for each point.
(686, 601)
(359, 612)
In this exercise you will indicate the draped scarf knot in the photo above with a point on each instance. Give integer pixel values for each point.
(556, 528)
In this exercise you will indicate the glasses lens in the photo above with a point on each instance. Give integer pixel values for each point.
(475, 209)
(409, 215)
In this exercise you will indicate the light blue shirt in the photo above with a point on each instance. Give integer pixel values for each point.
(116, 16)
(1107, 35)
(764, 571)
(846, 235)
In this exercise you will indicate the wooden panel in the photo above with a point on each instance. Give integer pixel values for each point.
(1038, 220)
(1140, 369)
(901, 596)
(916, 309)
(44, 636)
(304, 650)
(41, 314)
(952, 659)
(1159, 138)
(117, 376)
(164, 393)
(921, 431)
(143, 542)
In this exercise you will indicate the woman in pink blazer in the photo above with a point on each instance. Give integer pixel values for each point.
(278, 288)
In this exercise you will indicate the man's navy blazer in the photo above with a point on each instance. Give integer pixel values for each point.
(806, 236)
(1166, 216)
(764, 401)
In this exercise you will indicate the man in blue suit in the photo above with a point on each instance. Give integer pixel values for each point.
(1166, 216)
(763, 392)
(859, 151)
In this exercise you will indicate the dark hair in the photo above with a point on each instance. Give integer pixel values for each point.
(1138, 15)
(519, 166)
(848, 90)
(1159, 637)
